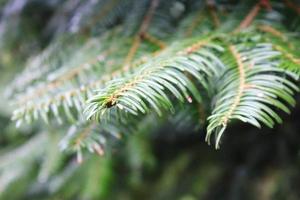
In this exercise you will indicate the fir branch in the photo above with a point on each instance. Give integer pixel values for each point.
(248, 93)
(57, 82)
(75, 97)
(253, 79)
(285, 45)
(39, 66)
(153, 78)
(288, 55)
(289, 61)
(241, 87)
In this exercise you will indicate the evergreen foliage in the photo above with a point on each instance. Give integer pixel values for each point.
(246, 74)
(109, 69)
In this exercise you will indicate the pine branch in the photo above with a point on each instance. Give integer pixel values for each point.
(249, 90)
(42, 101)
(126, 62)
(147, 86)
(40, 65)
(290, 62)
(59, 80)
(286, 46)
(241, 88)
(94, 137)
(153, 73)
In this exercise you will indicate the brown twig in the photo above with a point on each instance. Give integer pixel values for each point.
(272, 31)
(252, 14)
(292, 6)
(276, 33)
(249, 18)
(194, 24)
(212, 11)
(154, 40)
(139, 36)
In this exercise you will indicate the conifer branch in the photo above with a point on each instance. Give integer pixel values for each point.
(153, 79)
(241, 87)
(248, 81)
(258, 87)
(62, 78)
(288, 55)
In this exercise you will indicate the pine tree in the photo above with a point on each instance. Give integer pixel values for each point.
(99, 74)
